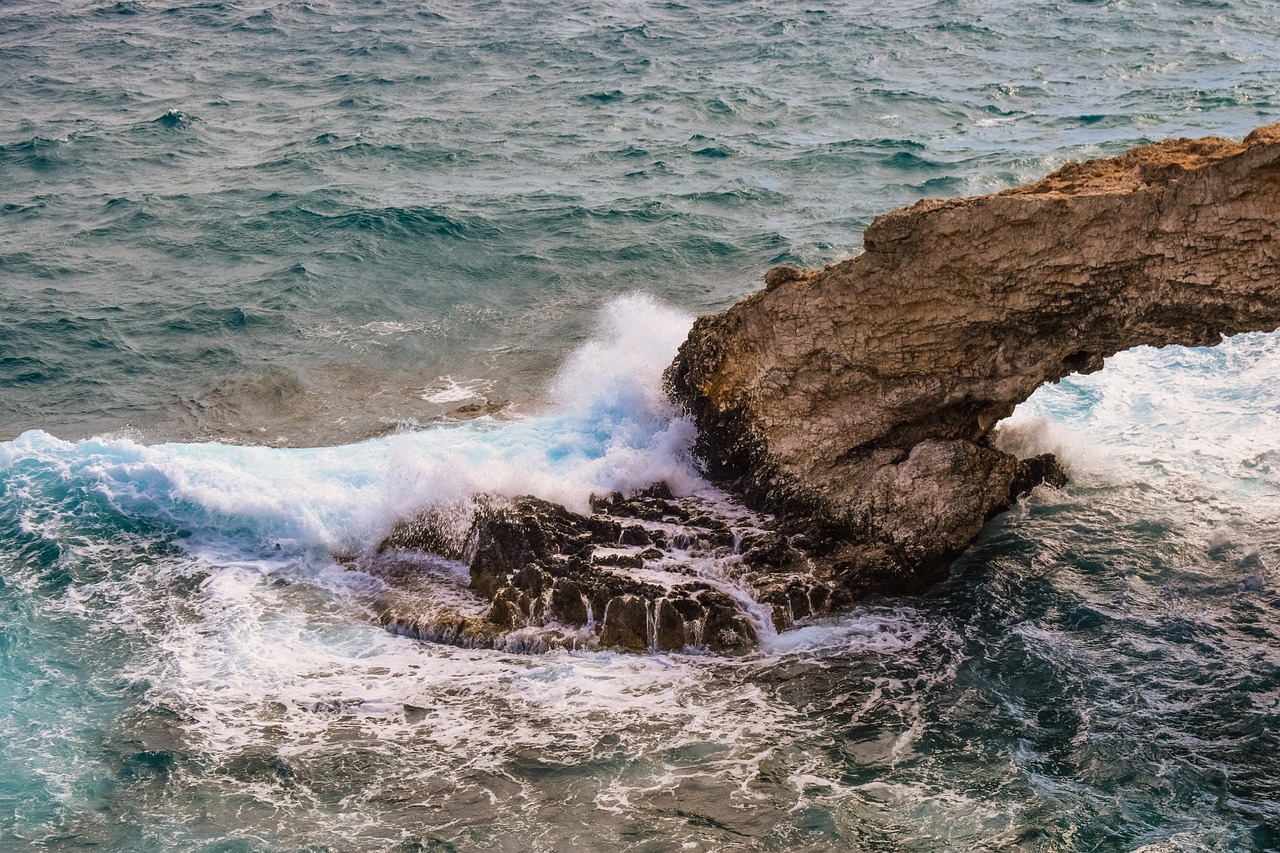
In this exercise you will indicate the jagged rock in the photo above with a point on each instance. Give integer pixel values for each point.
(856, 402)
(655, 503)
(771, 552)
(634, 534)
(568, 605)
(669, 630)
(629, 561)
(1032, 472)
(535, 563)
(626, 624)
(503, 540)
(725, 630)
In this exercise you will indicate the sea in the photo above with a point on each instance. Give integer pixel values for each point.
(275, 275)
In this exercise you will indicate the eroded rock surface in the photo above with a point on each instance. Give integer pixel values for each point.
(856, 401)
(645, 572)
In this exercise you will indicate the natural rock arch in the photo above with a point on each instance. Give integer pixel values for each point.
(856, 401)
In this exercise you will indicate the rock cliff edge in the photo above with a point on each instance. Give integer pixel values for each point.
(855, 402)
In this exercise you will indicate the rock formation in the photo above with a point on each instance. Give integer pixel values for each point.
(626, 577)
(855, 404)
(856, 401)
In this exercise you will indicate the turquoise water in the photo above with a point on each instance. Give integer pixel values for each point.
(253, 254)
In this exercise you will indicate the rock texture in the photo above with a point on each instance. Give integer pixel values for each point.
(856, 401)
(645, 572)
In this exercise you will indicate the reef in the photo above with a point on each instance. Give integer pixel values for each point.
(857, 402)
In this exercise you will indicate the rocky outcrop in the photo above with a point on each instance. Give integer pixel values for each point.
(645, 572)
(856, 401)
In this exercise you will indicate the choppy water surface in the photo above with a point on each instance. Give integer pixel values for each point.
(321, 226)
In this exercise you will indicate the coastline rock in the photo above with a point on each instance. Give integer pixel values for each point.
(857, 402)
(552, 577)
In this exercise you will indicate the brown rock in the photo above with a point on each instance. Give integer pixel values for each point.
(669, 631)
(567, 605)
(625, 625)
(726, 630)
(856, 401)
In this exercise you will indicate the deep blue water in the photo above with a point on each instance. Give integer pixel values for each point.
(252, 255)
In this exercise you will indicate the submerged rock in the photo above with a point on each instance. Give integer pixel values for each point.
(857, 402)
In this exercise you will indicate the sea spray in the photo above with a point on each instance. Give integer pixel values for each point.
(607, 427)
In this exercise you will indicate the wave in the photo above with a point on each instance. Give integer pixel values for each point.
(606, 426)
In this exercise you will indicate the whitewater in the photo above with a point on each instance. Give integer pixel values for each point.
(274, 276)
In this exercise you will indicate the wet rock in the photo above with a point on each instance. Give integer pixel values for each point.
(726, 630)
(432, 531)
(539, 565)
(634, 534)
(471, 411)
(669, 627)
(771, 552)
(655, 503)
(712, 532)
(630, 561)
(507, 611)
(1032, 472)
(503, 539)
(626, 624)
(659, 490)
(568, 606)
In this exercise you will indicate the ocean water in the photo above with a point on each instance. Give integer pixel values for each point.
(254, 256)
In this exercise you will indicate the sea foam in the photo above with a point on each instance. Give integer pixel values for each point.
(606, 426)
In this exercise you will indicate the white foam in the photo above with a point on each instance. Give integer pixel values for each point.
(608, 427)
(391, 327)
(448, 389)
(862, 631)
(1166, 418)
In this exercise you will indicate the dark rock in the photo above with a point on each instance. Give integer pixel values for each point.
(634, 534)
(625, 625)
(430, 531)
(630, 561)
(771, 552)
(1044, 468)
(653, 504)
(567, 605)
(534, 562)
(505, 538)
(726, 630)
(712, 532)
(689, 608)
(669, 633)
(659, 490)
